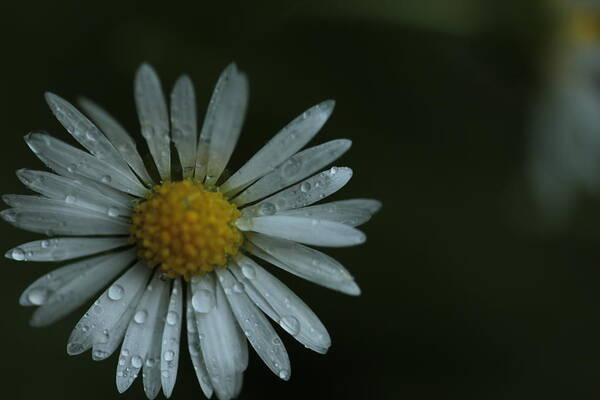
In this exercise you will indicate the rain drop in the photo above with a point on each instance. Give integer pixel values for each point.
(172, 318)
(106, 179)
(140, 316)
(113, 212)
(17, 254)
(267, 209)
(169, 355)
(203, 301)
(290, 324)
(248, 271)
(305, 187)
(38, 296)
(136, 361)
(70, 199)
(45, 244)
(115, 292)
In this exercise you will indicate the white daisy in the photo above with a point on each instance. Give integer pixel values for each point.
(197, 229)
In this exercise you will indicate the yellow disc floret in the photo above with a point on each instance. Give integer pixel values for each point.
(185, 229)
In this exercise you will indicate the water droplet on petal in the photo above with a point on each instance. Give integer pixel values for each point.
(305, 187)
(169, 355)
(140, 316)
(38, 296)
(45, 244)
(17, 254)
(115, 292)
(267, 208)
(106, 179)
(172, 317)
(290, 324)
(248, 271)
(113, 212)
(203, 301)
(136, 361)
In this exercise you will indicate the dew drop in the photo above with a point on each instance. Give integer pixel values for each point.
(136, 362)
(169, 355)
(267, 208)
(113, 212)
(284, 373)
(165, 374)
(70, 199)
(249, 271)
(106, 179)
(115, 292)
(74, 348)
(72, 168)
(238, 287)
(305, 187)
(45, 244)
(203, 301)
(17, 254)
(38, 296)
(172, 317)
(140, 316)
(290, 324)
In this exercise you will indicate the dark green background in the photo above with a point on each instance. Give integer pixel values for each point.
(464, 295)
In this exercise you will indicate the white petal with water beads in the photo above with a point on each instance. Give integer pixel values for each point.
(194, 347)
(86, 133)
(183, 124)
(152, 365)
(223, 347)
(296, 168)
(55, 217)
(291, 312)
(140, 332)
(96, 325)
(169, 359)
(353, 212)
(119, 138)
(303, 261)
(72, 162)
(75, 287)
(222, 124)
(77, 193)
(283, 145)
(311, 231)
(59, 249)
(154, 118)
(302, 194)
(256, 327)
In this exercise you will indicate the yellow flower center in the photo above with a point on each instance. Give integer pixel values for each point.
(185, 229)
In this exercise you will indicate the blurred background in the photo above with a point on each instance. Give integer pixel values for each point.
(473, 121)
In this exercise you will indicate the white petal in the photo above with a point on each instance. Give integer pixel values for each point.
(296, 168)
(72, 291)
(222, 124)
(76, 192)
(154, 118)
(52, 218)
(152, 365)
(140, 332)
(282, 146)
(59, 249)
(195, 349)
(223, 348)
(291, 312)
(303, 261)
(171, 336)
(96, 325)
(86, 133)
(183, 123)
(350, 212)
(72, 162)
(318, 232)
(257, 329)
(103, 349)
(119, 138)
(302, 194)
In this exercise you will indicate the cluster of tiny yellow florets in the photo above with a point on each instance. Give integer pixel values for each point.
(185, 229)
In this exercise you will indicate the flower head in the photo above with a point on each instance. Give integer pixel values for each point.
(190, 232)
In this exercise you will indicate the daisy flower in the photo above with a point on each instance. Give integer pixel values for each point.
(189, 246)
